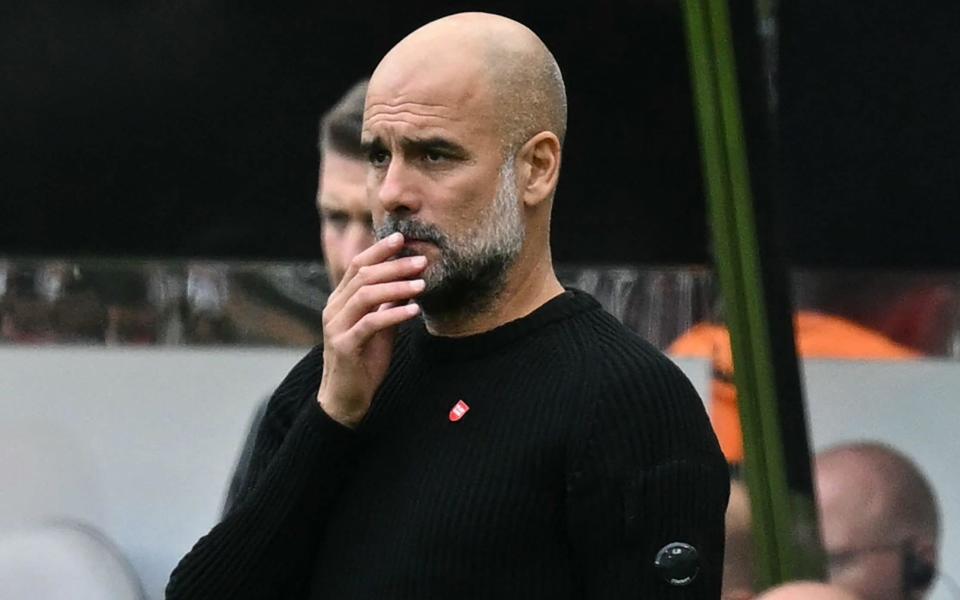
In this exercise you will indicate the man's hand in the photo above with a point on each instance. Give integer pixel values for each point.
(359, 323)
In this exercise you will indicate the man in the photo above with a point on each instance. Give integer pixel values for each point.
(880, 521)
(807, 590)
(470, 429)
(345, 223)
(346, 227)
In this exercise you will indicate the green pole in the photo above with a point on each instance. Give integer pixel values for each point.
(778, 513)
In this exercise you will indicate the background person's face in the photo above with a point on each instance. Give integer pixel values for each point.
(852, 519)
(874, 575)
(345, 222)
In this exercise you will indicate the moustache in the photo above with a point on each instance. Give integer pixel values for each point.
(412, 230)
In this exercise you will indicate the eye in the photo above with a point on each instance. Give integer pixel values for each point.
(336, 219)
(432, 156)
(378, 157)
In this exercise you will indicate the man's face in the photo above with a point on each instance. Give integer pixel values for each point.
(862, 555)
(437, 174)
(345, 222)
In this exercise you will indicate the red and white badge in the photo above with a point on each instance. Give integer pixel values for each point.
(459, 409)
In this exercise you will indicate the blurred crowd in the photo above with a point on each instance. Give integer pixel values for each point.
(146, 303)
(142, 302)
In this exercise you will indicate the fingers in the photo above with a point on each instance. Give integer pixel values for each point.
(375, 254)
(374, 322)
(371, 298)
(373, 294)
(372, 266)
(392, 270)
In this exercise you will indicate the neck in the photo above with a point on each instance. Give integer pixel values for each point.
(528, 286)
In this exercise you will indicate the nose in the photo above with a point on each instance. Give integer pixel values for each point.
(397, 191)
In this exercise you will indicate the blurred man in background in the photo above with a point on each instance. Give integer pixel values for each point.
(880, 521)
(345, 223)
(346, 227)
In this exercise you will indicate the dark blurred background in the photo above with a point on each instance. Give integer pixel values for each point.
(187, 129)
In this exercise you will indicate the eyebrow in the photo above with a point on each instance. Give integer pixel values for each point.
(333, 202)
(419, 145)
(329, 202)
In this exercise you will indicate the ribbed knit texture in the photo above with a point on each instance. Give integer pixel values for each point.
(584, 451)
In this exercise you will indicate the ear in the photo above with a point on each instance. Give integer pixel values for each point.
(538, 167)
(926, 551)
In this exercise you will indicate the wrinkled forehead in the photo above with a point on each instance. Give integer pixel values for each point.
(430, 90)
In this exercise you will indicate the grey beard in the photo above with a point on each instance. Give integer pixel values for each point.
(472, 268)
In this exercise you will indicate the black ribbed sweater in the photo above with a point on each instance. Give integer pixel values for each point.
(583, 452)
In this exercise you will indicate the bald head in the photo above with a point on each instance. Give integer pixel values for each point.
(807, 590)
(497, 67)
(880, 487)
(875, 505)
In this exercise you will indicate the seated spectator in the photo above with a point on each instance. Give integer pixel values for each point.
(879, 523)
(879, 520)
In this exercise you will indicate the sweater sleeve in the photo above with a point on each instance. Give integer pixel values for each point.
(646, 473)
(266, 545)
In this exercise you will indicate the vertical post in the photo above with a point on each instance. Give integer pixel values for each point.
(754, 287)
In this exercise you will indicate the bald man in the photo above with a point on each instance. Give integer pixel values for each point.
(879, 520)
(807, 590)
(469, 428)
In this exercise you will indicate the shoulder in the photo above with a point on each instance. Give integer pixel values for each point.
(621, 362)
(638, 400)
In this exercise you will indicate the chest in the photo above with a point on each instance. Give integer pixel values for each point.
(462, 458)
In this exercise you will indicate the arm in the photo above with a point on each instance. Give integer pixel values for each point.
(646, 473)
(266, 546)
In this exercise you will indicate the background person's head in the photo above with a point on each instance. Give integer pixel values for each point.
(879, 520)
(464, 122)
(917, 310)
(345, 223)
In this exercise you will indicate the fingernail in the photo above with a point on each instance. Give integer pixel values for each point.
(419, 261)
(418, 284)
(394, 238)
(412, 308)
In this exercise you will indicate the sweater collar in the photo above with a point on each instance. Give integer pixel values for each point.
(571, 302)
